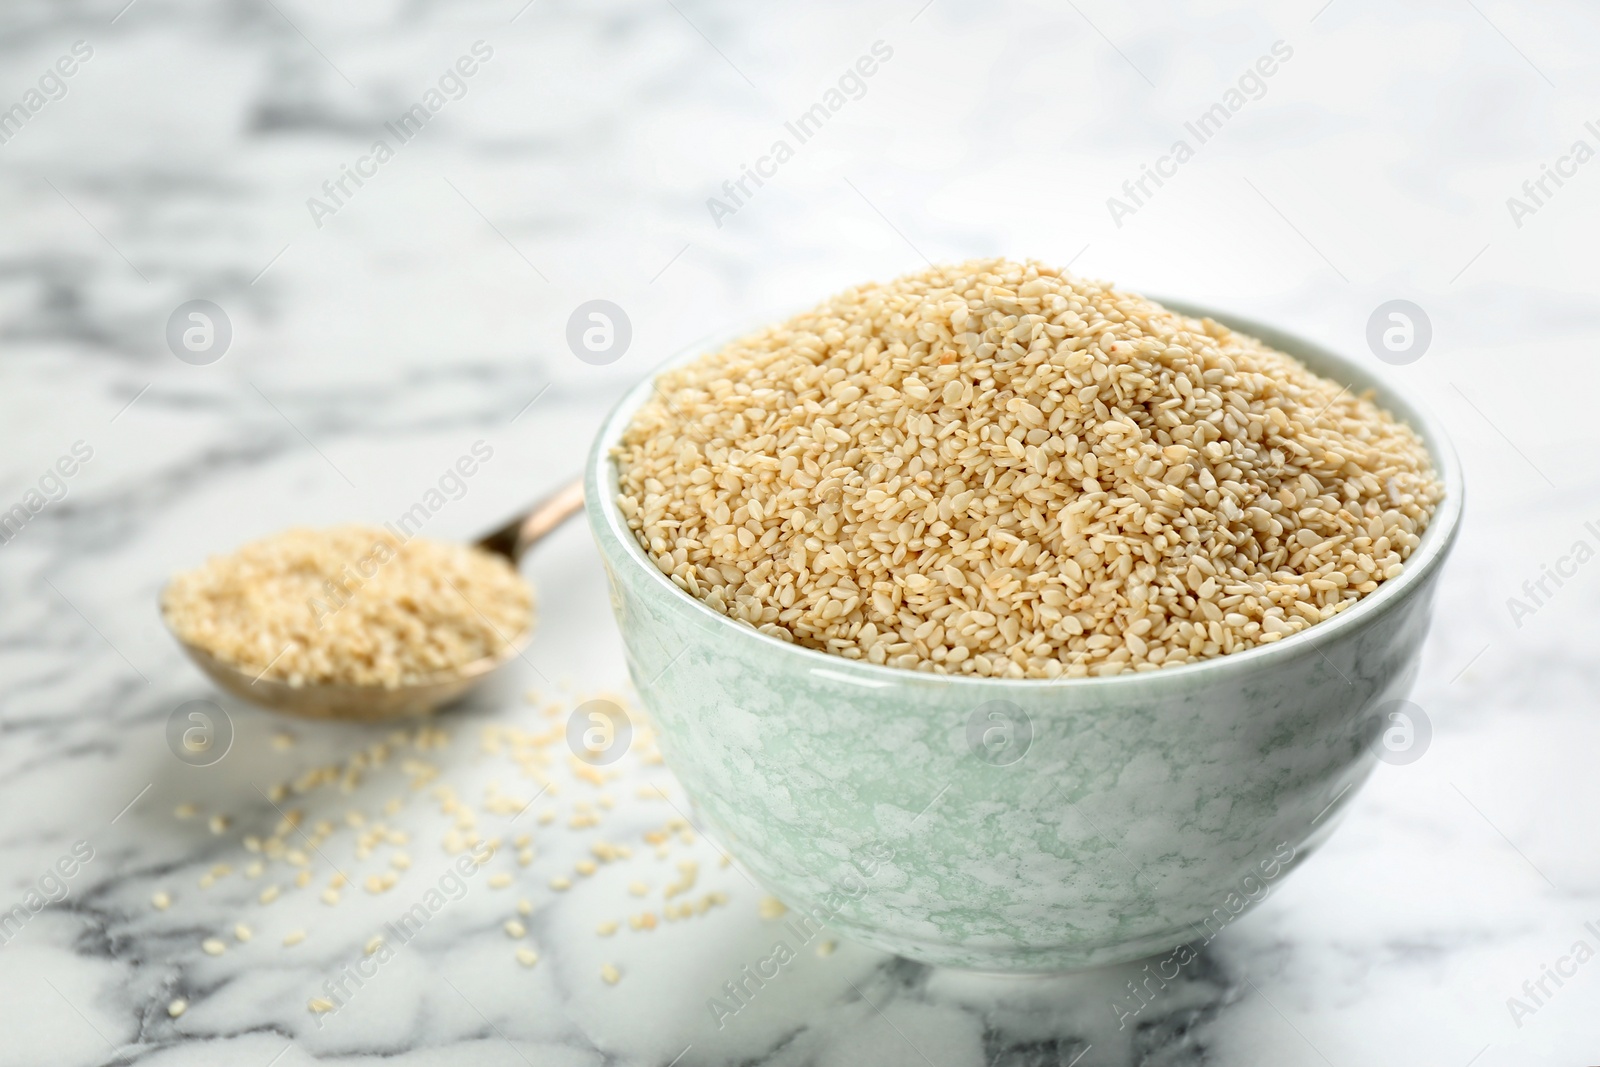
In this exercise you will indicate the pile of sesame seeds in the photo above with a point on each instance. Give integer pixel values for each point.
(997, 468)
(356, 605)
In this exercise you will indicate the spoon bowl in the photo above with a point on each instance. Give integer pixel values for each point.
(322, 700)
(353, 702)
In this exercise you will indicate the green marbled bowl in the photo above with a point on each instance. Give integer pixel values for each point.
(1022, 825)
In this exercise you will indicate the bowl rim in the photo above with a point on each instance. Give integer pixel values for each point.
(601, 484)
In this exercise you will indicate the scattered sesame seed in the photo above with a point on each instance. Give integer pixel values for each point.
(515, 929)
(585, 867)
(214, 946)
(825, 948)
(218, 824)
(524, 907)
(527, 957)
(330, 896)
(185, 811)
(161, 900)
(283, 741)
(611, 975)
(320, 1005)
(269, 894)
(606, 929)
(638, 889)
(373, 945)
(302, 879)
(293, 937)
(560, 884)
(400, 861)
(772, 908)
(499, 881)
(177, 1007)
(241, 932)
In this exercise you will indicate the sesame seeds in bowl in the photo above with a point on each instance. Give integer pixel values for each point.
(999, 470)
(999, 811)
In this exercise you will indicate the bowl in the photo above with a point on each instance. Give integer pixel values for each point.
(1022, 825)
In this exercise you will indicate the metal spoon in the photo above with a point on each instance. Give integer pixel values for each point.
(329, 701)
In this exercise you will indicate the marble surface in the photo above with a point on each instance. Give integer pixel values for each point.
(429, 311)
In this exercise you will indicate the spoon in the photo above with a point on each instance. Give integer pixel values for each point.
(344, 701)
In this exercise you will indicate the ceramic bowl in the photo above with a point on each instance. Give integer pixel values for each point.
(1023, 825)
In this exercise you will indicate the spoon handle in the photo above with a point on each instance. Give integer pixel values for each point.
(520, 534)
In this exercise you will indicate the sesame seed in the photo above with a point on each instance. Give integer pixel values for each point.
(527, 957)
(177, 1007)
(293, 937)
(560, 884)
(999, 469)
(515, 928)
(373, 945)
(772, 908)
(585, 867)
(218, 824)
(241, 932)
(606, 929)
(524, 907)
(320, 1005)
(610, 974)
(283, 741)
(213, 946)
(469, 604)
(269, 894)
(185, 811)
(330, 896)
(161, 900)
(825, 948)
(499, 881)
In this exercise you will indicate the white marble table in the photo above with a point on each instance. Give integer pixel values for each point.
(378, 336)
